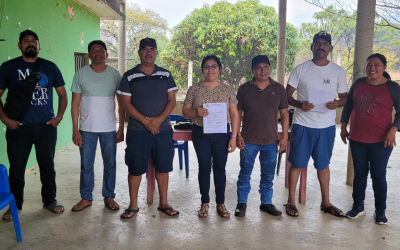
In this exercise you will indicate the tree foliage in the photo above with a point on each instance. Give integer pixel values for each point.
(387, 11)
(139, 24)
(343, 31)
(235, 33)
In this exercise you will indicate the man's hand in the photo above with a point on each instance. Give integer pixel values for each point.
(332, 105)
(119, 136)
(154, 125)
(306, 106)
(77, 138)
(282, 145)
(10, 123)
(232, 145)
(54, 121)
(240, 142)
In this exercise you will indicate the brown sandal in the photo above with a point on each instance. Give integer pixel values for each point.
(203, 212)
(291, 208)
(221, 209)
(111, 204)
(82, 204)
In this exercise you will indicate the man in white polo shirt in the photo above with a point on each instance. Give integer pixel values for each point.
(313, 129)
(93, 103)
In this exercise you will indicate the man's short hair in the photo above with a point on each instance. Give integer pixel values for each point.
(147, 42)
(27, 33)
(259, 59)
(97, 42)
(324, 35)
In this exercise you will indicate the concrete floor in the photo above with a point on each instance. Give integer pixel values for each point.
(99, 228)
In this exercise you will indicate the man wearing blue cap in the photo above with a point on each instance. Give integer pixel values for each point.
(313, 129)
(259, 102)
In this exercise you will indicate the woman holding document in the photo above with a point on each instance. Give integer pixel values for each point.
(372, 133)
(212, 106)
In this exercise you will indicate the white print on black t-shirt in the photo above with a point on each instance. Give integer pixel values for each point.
(366, 104)
(39, 96)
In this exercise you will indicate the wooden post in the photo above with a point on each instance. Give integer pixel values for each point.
(190, 73)
(362, 49)
(280, 62)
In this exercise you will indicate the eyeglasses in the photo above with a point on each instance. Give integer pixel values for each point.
(213, 67)
(95, 51)
(149, 49)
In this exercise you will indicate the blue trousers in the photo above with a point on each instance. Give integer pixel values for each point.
(108, 147)
(248, 155)
(370, 157)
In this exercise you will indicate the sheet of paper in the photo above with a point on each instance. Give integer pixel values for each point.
(319, 98)
(216, 120)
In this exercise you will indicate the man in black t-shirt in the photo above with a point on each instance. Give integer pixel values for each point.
(39, 123)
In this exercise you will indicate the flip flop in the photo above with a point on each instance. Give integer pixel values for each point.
(333, 211)
(165, 209)
(9, 212)
(134, 211)
(52, 207)
(292, 208)
(82, 204)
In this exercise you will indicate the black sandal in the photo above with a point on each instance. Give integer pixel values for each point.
(52, 207)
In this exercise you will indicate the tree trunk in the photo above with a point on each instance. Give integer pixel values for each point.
(362, 49)
(280, 64)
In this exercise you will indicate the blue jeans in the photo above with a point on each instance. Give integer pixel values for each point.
(211, 151)
(108, 147)
(248, 155)
(370, 157)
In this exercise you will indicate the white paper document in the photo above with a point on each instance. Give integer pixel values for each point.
(216, 120)
(319, 98)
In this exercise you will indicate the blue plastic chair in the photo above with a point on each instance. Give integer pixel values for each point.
(181, 146)
(6, 198)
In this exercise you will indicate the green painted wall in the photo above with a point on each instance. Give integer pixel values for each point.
(59, 37)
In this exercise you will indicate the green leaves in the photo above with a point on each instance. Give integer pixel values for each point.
(235, 33)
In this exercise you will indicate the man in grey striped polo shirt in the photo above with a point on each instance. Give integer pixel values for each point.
(93, 103)
(148, 95)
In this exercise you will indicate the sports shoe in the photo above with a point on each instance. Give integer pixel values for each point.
(380, 217)
(355, 212)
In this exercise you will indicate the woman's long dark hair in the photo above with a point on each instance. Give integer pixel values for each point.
(382, 58)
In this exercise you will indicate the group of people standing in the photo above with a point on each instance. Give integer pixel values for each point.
(147, 94)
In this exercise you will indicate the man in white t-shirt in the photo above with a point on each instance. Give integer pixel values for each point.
(313, 130)
(93, 102)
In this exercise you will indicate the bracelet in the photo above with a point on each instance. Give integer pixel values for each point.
(233, 136)
(57, 118)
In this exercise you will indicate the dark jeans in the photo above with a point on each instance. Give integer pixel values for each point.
(19, 145)
(370, 157)
(212, 151)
